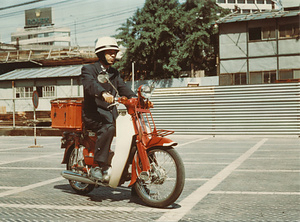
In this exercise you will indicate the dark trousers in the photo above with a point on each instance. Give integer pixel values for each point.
(105, 134)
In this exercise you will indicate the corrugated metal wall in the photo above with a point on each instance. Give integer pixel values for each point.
(248, 109)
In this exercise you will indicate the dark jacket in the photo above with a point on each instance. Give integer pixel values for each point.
(94, 106)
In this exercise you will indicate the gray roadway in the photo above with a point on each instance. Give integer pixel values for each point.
(228, 178)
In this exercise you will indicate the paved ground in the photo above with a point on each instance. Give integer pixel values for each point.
(227, 179)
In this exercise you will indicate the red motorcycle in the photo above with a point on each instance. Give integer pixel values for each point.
(142, 154)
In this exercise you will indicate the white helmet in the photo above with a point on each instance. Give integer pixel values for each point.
(106, 43)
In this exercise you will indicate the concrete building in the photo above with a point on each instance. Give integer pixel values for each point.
(39, 30)
(261, 47)
(247, 6)
(49, 35)
(16, 87)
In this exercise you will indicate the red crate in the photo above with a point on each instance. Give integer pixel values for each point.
(66, 113)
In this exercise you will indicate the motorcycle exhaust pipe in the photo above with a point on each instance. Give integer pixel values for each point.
(77, 177)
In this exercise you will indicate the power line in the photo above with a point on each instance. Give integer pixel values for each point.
(21, 4)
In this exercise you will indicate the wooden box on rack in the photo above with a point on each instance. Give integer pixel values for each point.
(66, 113)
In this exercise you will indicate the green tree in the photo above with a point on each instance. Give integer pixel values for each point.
(165, 37)
(199, 39)
(149, 37)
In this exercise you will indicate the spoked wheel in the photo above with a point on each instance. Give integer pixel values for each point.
(167, 178)
(77, 159)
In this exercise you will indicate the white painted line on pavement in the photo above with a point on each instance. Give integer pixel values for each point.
(29, 158)
(193, 141)
(29, 187)
(189, 202)
(199, 153)
(32, 168)
(274, 158)
(8, 188)
(71, 207)
(204, 163)
(275, 150)
(269, 171)
(191, 179)
(255, 193)
(15, 148)
(25, 147)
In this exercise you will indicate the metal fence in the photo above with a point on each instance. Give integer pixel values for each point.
(248, 109)
(211, 110)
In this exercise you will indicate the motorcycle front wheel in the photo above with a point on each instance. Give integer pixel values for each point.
(76, 159)
(166, 181)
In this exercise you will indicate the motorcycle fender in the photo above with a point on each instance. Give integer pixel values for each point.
(161, 141)
(133, 172)
(156, 141)
(124, 134)
(67, 153)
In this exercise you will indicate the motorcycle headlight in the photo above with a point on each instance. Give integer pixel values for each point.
(146, 91)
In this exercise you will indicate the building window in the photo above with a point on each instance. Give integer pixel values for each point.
(255, 77)
(254, 34)
(262, 77)
(240, 79)
(246, 11)
(289, 31)
(268, 33)
(269, 2)
(262, 33)
(241, 1)
(297, 74)
(250, 1)
(260, 1)
(48, 91)
(221, 1)
(269, 77)
(231, 1)
(285, 74)
(24, 92)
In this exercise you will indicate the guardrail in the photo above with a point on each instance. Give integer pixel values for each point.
(272, 109)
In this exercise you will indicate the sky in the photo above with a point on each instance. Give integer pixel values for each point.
(92, 18)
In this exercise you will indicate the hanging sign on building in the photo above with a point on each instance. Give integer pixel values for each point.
(38, 17)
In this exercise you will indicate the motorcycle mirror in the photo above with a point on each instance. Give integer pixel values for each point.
(103, 77)
(146, 91)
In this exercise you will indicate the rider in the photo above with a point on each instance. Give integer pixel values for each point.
(98, 94)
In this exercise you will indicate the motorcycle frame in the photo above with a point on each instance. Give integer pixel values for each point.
(147, 136)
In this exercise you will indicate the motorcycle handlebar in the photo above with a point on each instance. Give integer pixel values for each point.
(138, 102)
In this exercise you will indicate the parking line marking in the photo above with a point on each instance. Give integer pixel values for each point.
(195, 197)
(24, 147)
(193, 141)
(199, 153)
(95, 208)
(29, 158)
(205, 163)
(29, 187)
(269, 171)
(273, 158)
(255, 193)
(8, 188)
(32, 168)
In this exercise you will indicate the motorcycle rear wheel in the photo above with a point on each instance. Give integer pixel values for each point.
(77, 159)
(167, 177)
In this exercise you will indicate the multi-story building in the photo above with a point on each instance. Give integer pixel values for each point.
(247, 6)
(39, 30)
(42, 36)
(260, 47)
